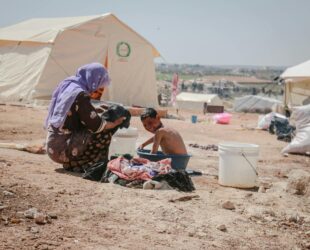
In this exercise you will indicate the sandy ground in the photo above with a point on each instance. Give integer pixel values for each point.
(94, 215)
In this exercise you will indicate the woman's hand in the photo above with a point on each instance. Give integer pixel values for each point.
(111, 125)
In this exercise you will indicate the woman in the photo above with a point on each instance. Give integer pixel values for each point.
(77, 136)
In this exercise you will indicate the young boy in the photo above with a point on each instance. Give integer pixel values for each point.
(168, 139)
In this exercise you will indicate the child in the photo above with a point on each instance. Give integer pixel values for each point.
(168, 139)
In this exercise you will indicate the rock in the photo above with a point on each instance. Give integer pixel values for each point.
(3, 207)
(34, 230)
(262, 189)
(298, 182)
(52, 216)
(307, 233)
(201, 234)
(278, 187)
(30, 213)
(40, 218)
(7, 193)
(15, 220)
(270, 213)
(191, 234)
(255, 213)
(248, 195)
(222, 228)
(306, 244)
(266, 182)
(294, 218)
(228, 205)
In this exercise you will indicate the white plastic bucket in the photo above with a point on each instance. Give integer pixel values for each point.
(237, 164)
(124, 142)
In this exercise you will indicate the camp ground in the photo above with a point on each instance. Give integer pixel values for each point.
(244, 182)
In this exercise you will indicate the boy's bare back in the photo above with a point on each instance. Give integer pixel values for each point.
(170, 141)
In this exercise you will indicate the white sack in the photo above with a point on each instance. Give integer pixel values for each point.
(301, 142)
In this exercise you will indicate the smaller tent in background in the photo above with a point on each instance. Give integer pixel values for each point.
(297, 84)
(256, 104)
(195, 102)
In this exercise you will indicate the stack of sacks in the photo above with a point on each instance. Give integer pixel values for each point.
(301, 142)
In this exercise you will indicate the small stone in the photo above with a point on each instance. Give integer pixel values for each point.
(30, 213)
(293, 218)
(40, 218)
(248, 195)
(34, 230)
(7, 193)
(3, 207)
(222, 228)
(15, 220)
(201, 234)
(307, 233)
(191, 234)
(298, 182)
(52, 216)
(262, 189)
(228, 205)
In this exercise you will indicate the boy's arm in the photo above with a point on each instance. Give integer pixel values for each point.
(157, 139)
(149, 141)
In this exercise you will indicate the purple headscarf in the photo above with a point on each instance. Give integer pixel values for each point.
(88, 78)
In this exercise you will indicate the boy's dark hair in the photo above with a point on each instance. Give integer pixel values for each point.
(148, 112)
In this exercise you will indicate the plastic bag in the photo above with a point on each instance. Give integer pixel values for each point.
(264, 121)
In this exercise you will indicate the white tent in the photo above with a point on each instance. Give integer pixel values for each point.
(255, 103)
(35, 55)
(297, 84)
(194, 102)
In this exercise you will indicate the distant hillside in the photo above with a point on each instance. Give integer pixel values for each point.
(188, 71)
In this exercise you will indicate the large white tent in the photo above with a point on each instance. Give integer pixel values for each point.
(35, 55)
(297, 84)
(256, 103)
(195, 102)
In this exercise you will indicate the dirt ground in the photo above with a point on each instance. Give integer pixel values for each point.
(93, 215)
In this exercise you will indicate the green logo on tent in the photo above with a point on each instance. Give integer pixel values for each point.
(123, 49)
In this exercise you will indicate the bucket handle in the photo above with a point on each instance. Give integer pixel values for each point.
(249, 163)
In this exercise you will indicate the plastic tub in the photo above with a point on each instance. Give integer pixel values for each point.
(237, 164)
(223, 118)
(124, 142)
(177, 161)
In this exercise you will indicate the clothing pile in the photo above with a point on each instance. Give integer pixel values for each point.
(140, 173)
(281, 127)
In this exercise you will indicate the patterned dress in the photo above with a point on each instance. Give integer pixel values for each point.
(82, 140)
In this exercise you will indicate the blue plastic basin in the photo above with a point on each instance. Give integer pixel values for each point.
(177, 161)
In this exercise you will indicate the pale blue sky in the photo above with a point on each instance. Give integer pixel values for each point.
(217, 32)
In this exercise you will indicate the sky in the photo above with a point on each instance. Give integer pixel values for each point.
(206, 32)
